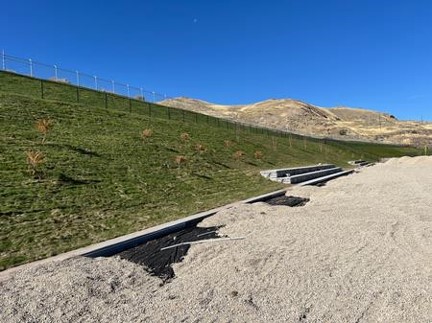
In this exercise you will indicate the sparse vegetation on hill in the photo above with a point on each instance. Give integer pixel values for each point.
(103, 172)
(307, 119)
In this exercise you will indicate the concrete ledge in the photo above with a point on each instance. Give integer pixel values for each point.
(307, 176)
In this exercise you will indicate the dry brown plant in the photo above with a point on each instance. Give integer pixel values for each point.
(146, 133)
(180, 159)
(34, 160)
(44, 126)
(228, 143)
(258, 154)
(184, 136)
(200, 148)
(238, 155)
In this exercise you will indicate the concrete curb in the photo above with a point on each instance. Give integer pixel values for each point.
(113, 246)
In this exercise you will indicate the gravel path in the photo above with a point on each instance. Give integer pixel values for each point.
(359, 251)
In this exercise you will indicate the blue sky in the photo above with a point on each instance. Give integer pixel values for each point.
(374, 54)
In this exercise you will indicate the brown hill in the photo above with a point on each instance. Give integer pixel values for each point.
(301, 117)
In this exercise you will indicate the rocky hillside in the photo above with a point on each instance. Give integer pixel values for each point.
(304, 118)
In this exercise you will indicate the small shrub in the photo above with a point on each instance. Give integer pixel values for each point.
(34, 160)
(238, 155)
(146, 133)
(180, 160)
(258, 154)
(228, 143)
(184, 137)
(44, 126)
(200, 148)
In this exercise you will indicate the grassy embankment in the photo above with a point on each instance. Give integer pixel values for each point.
(98, 177)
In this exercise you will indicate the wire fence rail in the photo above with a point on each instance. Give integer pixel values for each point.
(55, 73)
(54, 83)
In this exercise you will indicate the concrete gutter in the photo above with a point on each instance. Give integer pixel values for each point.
(283, 172)
(315, 174)
(318, 180)
(113, 246)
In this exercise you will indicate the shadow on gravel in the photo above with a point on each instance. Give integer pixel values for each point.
(158, 262)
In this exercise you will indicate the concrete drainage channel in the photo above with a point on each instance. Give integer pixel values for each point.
(309, 175)
(159, 247)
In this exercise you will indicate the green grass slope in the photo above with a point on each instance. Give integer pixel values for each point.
(100, 179)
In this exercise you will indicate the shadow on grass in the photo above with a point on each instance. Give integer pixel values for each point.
(67, 180)
(79, 150)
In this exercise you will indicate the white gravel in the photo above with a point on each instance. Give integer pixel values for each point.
(359, 251)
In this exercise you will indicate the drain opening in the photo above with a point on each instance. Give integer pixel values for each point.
(292, 201)
(159, 262)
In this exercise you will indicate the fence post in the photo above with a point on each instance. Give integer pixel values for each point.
(113, 87)
(168, 112)
(128, 90)
(130, 105)
(31, 67)
(42, 89)
(77, 94)
(96, 84)
(3, 60)
(55, 72)
(77, 78)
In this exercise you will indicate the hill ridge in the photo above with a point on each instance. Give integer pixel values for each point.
(339, 122)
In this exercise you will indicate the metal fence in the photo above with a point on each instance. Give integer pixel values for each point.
(40, 70)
